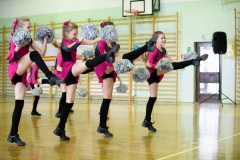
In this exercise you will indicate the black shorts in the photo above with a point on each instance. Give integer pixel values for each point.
(16, 78)
(105, 76)
(154, 78)
(70, 79)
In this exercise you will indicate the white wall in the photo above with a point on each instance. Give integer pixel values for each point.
(18, 8)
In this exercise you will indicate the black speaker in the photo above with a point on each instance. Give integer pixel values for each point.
(219, 42)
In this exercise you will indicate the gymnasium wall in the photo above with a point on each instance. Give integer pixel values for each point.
(196, 18)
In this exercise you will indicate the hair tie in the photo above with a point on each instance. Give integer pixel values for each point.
(14, 25)
(65, 24)
(103, 24)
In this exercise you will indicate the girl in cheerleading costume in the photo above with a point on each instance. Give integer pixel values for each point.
(107, 76)
(71, 70)
(19, 61)
(58, 72)
(157, 75)
(34, 82)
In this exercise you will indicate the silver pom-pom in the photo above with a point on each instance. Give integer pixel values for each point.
(122, 88)
(89, 31)
(164, 64)
(140, 75)
(82, 92)
(190, 55)
(109, 33)
(88, 53)
(28, 88)
(44, 31)
(123, 66)
(37, 91)
(21, 37)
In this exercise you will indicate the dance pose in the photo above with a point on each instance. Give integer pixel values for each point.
(34, 82)
(19, 60)
(157, 75)
(71, 70)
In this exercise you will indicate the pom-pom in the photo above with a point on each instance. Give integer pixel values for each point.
(190, 55)
(88, 53)
(22, 37)
(28, 88)
(164, 64)
(37, 91)
(109, 33)
(44, 31)
(82, 92)
(89, 31)
(122, 88)
(140, 75)
(123, 66)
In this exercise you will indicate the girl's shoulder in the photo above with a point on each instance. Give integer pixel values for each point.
(103, 42)
(66, 42)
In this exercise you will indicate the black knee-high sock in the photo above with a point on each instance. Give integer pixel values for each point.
(183, 64)
(16, 116)
(62, 102)
(45, 81)
(35, 103)
(64, 115)
(88, 71)
(149, 108)
(35, 57)
(95, 61)
(135, 54)
(104, 112)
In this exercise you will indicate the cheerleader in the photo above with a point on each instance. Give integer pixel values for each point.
(71, 70)
(156, 76)
(19, 60)
(34, 82)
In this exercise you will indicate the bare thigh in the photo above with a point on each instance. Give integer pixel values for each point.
(23, 64)
(20, 91)
(78, 68)
(63, 87)
(71, 91)
(153, 88)
(107, 88)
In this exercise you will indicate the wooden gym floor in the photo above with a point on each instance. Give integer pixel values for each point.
(184, 132)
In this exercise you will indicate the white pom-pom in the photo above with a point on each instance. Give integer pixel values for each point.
(140, 75)
(122, 88)
(22, 37)
(109, 33)
(89, 31)
(44, 31)
(88, 53)
(28, 88)
(37, 91)
(82, 92)
(190, 55)
(164, 64)
(123, 66)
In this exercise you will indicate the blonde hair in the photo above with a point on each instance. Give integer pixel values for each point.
(56, 45)
(154, 39)
(69, 28)
(21, 22)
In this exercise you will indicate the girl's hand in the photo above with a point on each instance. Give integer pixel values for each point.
(18, 47)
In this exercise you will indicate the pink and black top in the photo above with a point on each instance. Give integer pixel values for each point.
(101, 48)
(32, 79)
(154, 57)
(58, 62)
(69, 56)
(13, 58)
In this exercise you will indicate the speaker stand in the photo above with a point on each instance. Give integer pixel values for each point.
(220, 84)
(220, 93)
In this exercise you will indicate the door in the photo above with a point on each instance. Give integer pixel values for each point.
(208, 74)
